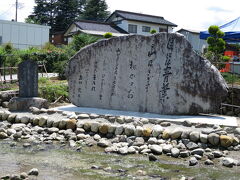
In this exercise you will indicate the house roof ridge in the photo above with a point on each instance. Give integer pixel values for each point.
(90, 21)
(141, 14)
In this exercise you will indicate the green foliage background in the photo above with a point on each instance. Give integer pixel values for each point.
(54, 58)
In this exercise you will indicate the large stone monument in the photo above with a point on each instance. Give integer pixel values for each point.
(28, 88)
(159, 73)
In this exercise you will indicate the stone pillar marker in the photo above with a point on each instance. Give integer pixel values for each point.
(28, 88)
(28, 79)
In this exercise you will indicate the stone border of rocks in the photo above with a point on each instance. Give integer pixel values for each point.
(127, 138)
(22, 175)
(215, 138)
(5, 97)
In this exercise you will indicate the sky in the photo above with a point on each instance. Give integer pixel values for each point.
(189, 14)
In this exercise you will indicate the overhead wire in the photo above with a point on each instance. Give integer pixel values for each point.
(7, 10)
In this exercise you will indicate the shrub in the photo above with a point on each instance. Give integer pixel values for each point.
(153, 31)
(81, 40)
(107, 35)
(4, 87)
(52, 90)
(59, 67)
(43, 80)
(8, 47)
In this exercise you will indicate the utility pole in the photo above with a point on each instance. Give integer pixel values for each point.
(16, 10)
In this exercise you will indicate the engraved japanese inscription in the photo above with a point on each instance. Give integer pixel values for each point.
(159, 73)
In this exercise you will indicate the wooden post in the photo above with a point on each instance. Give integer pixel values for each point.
(4, 74)
(10, 71)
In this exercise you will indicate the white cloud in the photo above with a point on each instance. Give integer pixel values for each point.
(192, 14)
(8, 10)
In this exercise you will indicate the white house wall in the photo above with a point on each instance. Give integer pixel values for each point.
(23, 35)
(194, 39)
(124, 26)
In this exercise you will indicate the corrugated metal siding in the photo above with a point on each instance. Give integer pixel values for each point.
(23, 35)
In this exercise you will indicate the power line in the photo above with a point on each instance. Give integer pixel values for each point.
(7, 10)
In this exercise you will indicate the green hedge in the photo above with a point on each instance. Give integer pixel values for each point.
(54, 58)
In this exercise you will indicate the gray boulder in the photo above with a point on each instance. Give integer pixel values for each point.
(209, 162)
(156, 149)
(176, 133)
(228, 162)
(23, 104)
(193, 161)
(198, 151)
(203, 138)
(194, 136)
(167, 148)
(191, 145)
(175, 152)
(213, 138)
(33, 172)
(3, 135)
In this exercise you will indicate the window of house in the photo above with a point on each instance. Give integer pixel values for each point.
(162, 30)
(132, 28)
(146, 29)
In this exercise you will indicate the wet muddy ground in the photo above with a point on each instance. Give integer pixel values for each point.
(60, 162)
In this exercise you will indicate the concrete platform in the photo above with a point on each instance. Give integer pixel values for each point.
(207, 119)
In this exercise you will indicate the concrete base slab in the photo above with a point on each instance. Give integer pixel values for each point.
(207, 119)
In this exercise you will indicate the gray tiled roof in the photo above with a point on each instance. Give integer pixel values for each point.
(97, 26)
(143, 18)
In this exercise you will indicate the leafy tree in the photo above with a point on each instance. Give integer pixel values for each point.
(56, 13)
(44, 12)
(81, 40)
(216, 43)
(95, 10)
(67, 12)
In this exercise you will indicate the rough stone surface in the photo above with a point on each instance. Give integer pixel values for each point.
(159, 74)
(33, 172)
(138, 131)
(23, 104)
(203, 138)
(194, 136)
(228, 162)
(198, 151)
(226, 141)
(213, 138)
(157, 129)
(167, 148)
(147, 132)
(103, 128)
(191, 145)
(156, 149)
(28, 79)
(175, 152)
(208, 162)
(193, 161)
(166, 134)
(3, 135)
(71, 124)
(176, 133)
